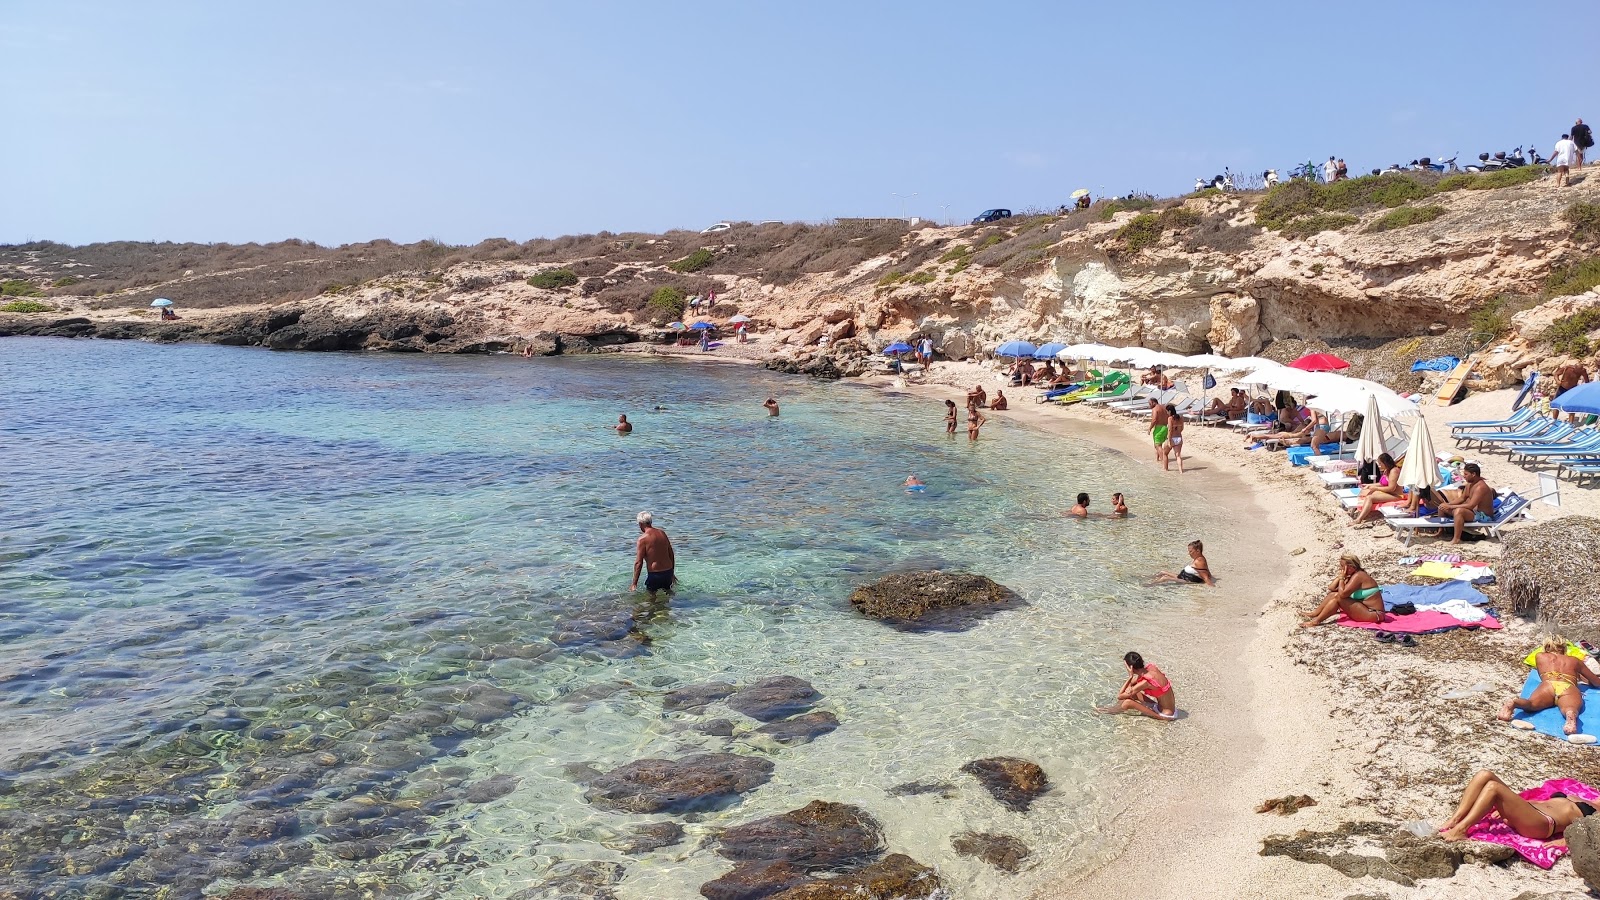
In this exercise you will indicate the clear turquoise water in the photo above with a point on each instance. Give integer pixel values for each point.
(238, 584)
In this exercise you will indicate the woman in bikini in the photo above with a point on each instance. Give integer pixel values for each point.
(975, 421)
(950, 417)
(1542, 820)
(1198, 571)
(1385, 490)
(1353, 592)
(1559, 677)
(1174, 439)
(1147, 691)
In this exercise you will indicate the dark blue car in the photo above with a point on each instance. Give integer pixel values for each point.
(992, 215)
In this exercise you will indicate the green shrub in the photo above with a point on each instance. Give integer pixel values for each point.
(1285, 203)
(1115, 206)
(921, 278)
(961, 251)
(16, 287)
(1178, 217)
(960, 265)
(554, 279)
(1505, 178)
(66, 281)
(1571, 335)
(666, 304)
(990, 241)
(1309, 225)
(694, 262)
(1574, 279)
(1584, 219)
(891, 278)
(1490, 320)
(1141, 231)
(1405, 215)
(26, 306)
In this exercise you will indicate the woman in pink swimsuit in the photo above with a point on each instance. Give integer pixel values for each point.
(1147, 691)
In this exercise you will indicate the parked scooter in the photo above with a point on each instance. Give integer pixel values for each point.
(1270, 178)
(1223, 182)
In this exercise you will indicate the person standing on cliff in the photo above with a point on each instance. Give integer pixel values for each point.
(1562, 157)
(653, 551)
(1330, 170)
(1583, 138)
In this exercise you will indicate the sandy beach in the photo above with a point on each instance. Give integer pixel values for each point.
(1363, 728)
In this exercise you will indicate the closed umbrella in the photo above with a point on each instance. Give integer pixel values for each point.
(1049, 351)
(1420, 469)
(1015, 348)
(1319, 362)
(1370, 444)
(160, 302)
(1585, 398)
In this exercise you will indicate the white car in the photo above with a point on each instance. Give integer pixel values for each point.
(720, 226)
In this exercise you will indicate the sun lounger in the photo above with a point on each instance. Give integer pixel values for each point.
(1578, 469)
(1516, 419)
(1512, 506)
(1337, 479)
(1585, 442)
(1537, 431)
(1557, 435)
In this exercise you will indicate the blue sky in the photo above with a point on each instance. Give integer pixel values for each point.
(346, 121)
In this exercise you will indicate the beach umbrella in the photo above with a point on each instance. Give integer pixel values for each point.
(160, 302)
(1015, 348)
(1370, 444)
(1048, 351)
(1420, 469)
(1080, 192)
(1086, 351)
(675, 326)
(1319, 362)
(1585, 398)
(898, 347)
(702, 326)
(739, 319)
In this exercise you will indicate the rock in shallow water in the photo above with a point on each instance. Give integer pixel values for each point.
(1002, 851)
(492, 788)
(801, 729)
(700, 781)
(777, 697)
(1014, 782)
(695, 697)
(573, 880)
(645, 838)
(895, 877)
(923, 600)
(818, 835)
(754, 881)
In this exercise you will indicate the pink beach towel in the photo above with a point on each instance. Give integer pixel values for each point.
(1416, 623)
(1494, 830)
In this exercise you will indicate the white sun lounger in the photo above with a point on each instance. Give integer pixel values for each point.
(1512, 506)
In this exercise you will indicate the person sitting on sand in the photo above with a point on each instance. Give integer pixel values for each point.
(1198, 571)
(1541, 820)
(951, 416)
(623, 426)
(1559, 676)
(772, 408)
(1476, 503)
(167, 315)
(1148, 691)
(1119, 506)
(999, 401)
(1081, 508)
(1385, 490)
(1353, 592)
(977, 396)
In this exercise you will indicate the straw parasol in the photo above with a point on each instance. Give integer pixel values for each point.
(1420, 469)
(1550, 565)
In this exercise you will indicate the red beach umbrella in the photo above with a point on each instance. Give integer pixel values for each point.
(1319, 362)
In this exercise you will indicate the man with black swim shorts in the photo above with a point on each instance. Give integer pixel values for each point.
(653, 550)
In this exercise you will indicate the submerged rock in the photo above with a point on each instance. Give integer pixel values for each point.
(1014, 782)
(818, 835)
(777, 697)
(492, 788)
(646, 837)
(612, 634)
(916, 788)
(696, 697)
(754, 881)
(700, 781)
(1002, 851)
(801, 729)
(895, 877)
(571, 880)
(947, 600)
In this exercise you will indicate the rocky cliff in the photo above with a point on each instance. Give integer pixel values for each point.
(1190, 276)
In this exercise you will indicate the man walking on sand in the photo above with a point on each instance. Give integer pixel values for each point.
(1583, 138)
(653, 551)
(1563, 157)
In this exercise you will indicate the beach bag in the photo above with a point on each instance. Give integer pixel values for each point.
(1209, 381)
(1403, 609)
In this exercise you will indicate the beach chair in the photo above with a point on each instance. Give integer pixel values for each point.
(1127, 393)
(1579, 469)
(1512, 507)
(1537, 430)
(1519, 417)
(1584, 442)
(1336, 480)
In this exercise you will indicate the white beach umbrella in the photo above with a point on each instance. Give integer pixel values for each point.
(1370, 444)
(1208, 361)
(1420, 469)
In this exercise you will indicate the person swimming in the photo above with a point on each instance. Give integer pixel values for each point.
(1119, 506)
(1081, 509)
(623, 426)
(914, 484)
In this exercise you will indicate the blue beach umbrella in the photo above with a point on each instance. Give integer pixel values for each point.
(1015, 348)
(1585, 398)
(1049, 351)
(702, 326)
(160, 302)
(898, 347)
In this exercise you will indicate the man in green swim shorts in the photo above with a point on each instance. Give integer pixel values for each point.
(1159, 425)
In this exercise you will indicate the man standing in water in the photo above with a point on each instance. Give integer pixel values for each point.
(772, 407)
(654, 550)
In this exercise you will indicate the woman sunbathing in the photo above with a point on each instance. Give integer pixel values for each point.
(1353, 592)
(1541, 820)
(1385, 490)
(1559, 676)
(1148, 691)
(1286, 437)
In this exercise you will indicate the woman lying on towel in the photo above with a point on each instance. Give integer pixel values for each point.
(1559, 676)
(1541, 820)
(1148, 691)
(1353, 592)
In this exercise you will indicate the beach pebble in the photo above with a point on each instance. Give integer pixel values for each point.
(1297, 551)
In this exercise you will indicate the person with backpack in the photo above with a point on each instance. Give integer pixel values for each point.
(1584, 138)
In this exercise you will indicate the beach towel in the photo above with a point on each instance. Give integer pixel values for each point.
(1551, 721)
(1437, 364)
(1423, 621)
(1425, 595)
(1494, 830)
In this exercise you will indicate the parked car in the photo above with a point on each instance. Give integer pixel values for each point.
(992, 215)
(720, 226)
